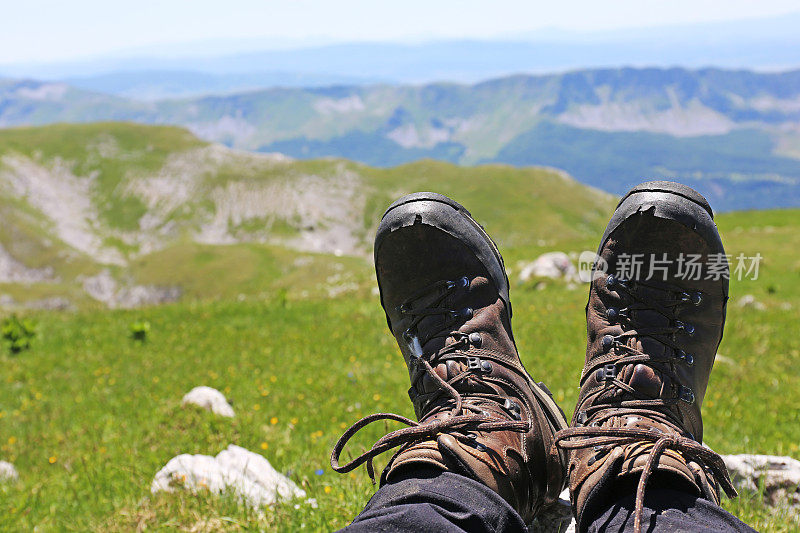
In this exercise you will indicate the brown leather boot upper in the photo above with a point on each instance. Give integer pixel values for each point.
(479, 413)
(652, 340)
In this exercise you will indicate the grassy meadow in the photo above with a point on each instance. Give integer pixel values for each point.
(88, 415)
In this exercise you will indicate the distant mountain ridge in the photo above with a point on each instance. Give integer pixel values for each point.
(151, 85)
(734, 135)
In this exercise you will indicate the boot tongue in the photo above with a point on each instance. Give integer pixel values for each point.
(444, 370)
(448, 370)
(464, 302)
(644, 379)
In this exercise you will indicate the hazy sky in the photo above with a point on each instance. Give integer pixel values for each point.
(46, 30)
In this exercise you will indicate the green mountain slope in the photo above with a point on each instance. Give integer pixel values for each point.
(111, 206)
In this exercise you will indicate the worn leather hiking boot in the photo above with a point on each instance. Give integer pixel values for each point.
(655, 317)
(445, 293)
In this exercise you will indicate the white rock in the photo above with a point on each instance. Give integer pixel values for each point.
(550, 265)
(209, 399)
(778, 474)
(246, 474)
(8, 472)
(256, 468)
(780, 477)
(104, 288)
(749, 301)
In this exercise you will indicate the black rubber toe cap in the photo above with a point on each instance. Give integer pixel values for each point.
(445, 217)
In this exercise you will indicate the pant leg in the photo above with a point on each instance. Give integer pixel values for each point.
(431, 500)
(667, 510)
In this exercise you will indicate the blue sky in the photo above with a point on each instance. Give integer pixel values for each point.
(46, 30)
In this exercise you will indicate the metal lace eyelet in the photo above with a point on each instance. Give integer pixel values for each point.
(688, 328)
(612, 313)
(687, 395)
(486, 366)
(688, 359)
(697, 298)
(512, 407)
(611, 281)
(467, 313)
(464, 282)
(685, 297)
(608, 371)
(475, 339)
(607, 342)
(685, 357)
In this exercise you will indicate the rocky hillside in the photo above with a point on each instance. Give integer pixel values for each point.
(135, 214)
(734, 135)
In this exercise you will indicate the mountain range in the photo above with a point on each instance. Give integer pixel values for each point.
(734, 135)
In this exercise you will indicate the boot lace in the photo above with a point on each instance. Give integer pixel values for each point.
(614, 404)
(466, 417)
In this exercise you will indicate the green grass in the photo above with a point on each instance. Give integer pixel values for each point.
(206, 272)
(89, 415)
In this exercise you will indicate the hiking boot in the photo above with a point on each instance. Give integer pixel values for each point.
(655, 317)
(444, 289)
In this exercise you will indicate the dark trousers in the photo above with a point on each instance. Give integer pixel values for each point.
(443, 501)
